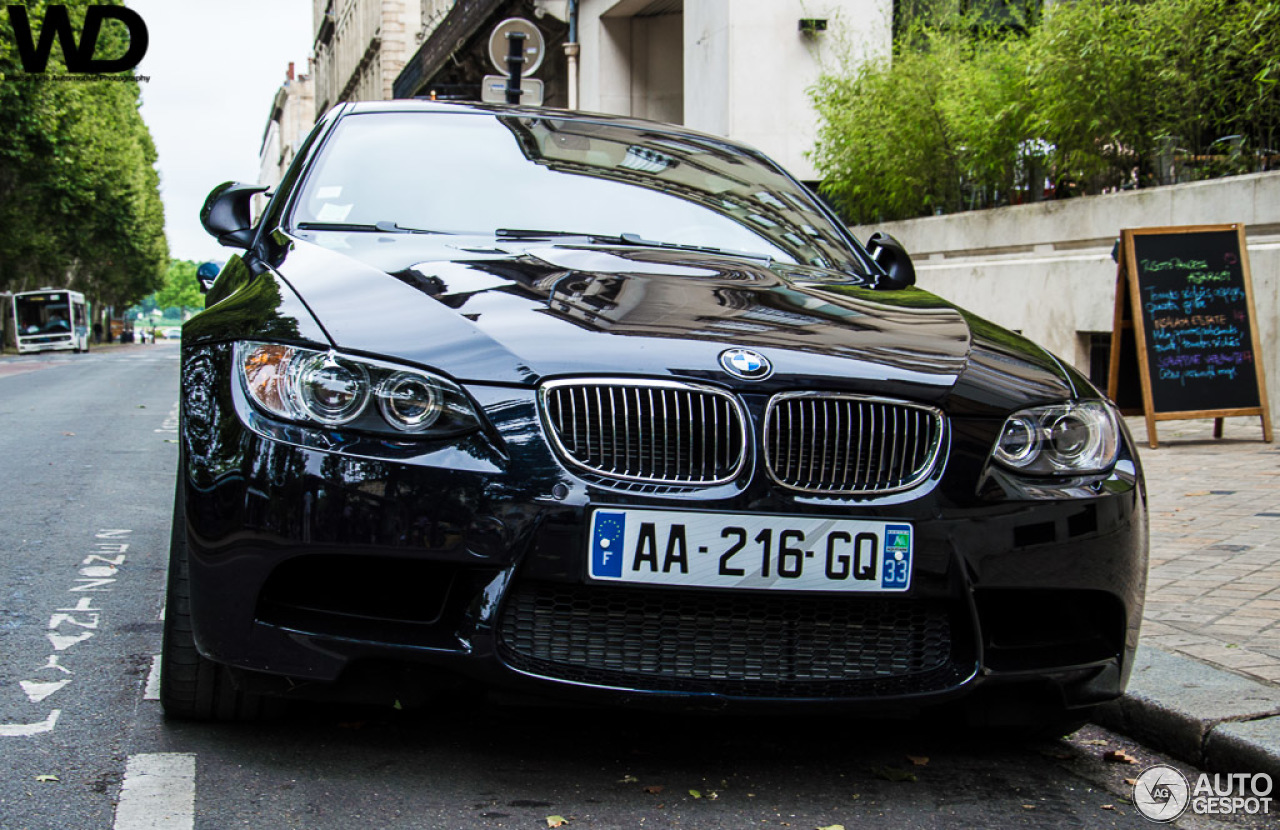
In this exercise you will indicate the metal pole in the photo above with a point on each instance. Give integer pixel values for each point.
(515, 60)
(571, 52)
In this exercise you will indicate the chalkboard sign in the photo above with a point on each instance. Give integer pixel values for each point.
(1184, 316)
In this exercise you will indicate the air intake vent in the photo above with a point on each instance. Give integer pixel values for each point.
(828, 443)
(728, 642)
(648, 431)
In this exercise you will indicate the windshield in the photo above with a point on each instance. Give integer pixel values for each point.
(477, 174)
(42, 313)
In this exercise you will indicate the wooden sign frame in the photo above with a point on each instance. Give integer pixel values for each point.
(1128, 317)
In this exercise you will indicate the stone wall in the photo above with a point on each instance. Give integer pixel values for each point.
(1046, 270)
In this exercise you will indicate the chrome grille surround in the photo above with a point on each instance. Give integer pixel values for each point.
(831, 443)
(647, 431)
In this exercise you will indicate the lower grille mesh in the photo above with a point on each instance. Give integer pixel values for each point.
(732, 643)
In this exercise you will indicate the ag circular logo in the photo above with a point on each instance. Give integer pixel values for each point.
(1161, 793)
(746, 364)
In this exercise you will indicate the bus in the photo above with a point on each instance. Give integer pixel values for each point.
(49, 319)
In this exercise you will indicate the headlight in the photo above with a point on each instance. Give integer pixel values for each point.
(331, 389)
(410, 402)
(1061, 439)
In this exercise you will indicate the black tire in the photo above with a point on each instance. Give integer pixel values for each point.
(193, 687)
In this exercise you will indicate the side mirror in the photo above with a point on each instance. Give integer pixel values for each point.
(227, 213)
(892, 257)
(206, 274)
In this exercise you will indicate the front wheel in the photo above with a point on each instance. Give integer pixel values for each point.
(192, 687)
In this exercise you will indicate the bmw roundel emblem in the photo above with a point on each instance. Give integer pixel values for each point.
(746, 364)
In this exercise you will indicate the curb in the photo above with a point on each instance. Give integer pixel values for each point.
(1199, 714)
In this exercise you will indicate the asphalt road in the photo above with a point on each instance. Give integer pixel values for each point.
(87, 454)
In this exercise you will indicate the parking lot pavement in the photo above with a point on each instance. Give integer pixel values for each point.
(1206, 682)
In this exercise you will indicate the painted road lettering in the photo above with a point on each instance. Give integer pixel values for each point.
(70, 625)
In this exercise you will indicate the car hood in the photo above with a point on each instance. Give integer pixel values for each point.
(524, 311)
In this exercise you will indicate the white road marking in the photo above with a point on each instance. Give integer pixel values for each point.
(52, 663)
(152, 691)
(37, 691)
(62, 642)
(82, 615)
(158, 792)
(22, 730)
(172, 421)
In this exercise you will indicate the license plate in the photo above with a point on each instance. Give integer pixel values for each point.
(749, 551)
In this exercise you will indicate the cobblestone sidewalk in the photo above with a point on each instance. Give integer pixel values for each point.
(1214, 586)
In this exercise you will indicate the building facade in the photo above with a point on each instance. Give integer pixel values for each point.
(293, 112)
(736, 68)
(362, 45)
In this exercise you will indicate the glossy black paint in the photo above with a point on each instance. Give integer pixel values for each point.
(228, 213)
(463, 520)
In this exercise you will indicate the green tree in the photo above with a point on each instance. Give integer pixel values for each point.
(181, 289)
(976, 107)
(934, 129)
(79, 194)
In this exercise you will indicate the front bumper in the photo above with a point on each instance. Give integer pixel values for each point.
(323, 572)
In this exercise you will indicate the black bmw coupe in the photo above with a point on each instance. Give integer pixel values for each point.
(611, 411)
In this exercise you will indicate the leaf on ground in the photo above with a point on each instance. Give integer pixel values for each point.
(1119, 756)
(1028, 806)
(893, 774)
(695, 793)
(1132, 782)
(1198, 493)
(712, 795)
(1095, 742)
(1108, 806)
(832, 827)
(47, 779)
(918, 760)
(557, 821)
(653, 789)
(628, 779)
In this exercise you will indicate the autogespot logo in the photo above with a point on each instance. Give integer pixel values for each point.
(746, 364)
(1161, 793)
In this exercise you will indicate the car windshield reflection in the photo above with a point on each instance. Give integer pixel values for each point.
(469, 174)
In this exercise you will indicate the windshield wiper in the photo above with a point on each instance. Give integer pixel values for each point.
(632, 239)
(637, 240)
(377, 227)
(524, 233)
